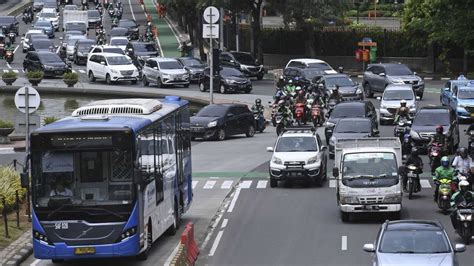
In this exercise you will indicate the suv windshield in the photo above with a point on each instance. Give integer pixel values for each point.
(244, 58)
(42, 44)
(118, 60)
(393, 95)
(47, 15)
(431, 118)
(369, 164)
(170, 65)
(321, 66)
(212, 111)
(119, 41)
(466, 93)
(413, 241)
(192, 62)
(114, 51)
(296, 144)
(50, 58)
(342, 111)
(351, 126)
(398, 70)
(341, 81)
(127, 24)
(85, 46)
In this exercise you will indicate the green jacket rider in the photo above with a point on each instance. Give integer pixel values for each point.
(445, 171)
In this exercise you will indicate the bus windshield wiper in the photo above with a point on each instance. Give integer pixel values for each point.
(102, 209)
(58, 210)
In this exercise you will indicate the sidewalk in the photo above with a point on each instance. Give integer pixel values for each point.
(12, 6)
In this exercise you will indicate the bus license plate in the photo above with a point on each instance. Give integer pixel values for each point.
(84, 250)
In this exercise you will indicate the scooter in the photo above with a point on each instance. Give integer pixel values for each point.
(464, 215)
(259, 121)
(444, 194)
(435, 155)
(115, 22)
(281, 123)
(331, 105)
(12, 37)
(413, 181)
(27, 18)
(300, 114)
(273, 113)
(9, 56)
(85, 4)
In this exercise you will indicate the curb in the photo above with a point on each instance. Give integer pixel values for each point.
(22, 250)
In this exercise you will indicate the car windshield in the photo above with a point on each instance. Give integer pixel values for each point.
(42, 44)
(127, 24)
(212, 111)
(93, 14)
(351, 126)
(47, 15)
(321, 66)
(311, 73)
(170, 65)
(342, 111)
(50, 58)
(369, 164)
(6, 20)
(398, 70)
(192, 62)
(114, 51)
(70, 7)
(118, 60)
(431, 119)
(296, 144)
(144, 47)
(394, 95)
(414, 242)
(244, 58)
(118, 41)
(72, 41)
(28, 35)
(85, 46)
(118, 32)
(466, 94)
(341, 81)
(227, 72)
(43, 24)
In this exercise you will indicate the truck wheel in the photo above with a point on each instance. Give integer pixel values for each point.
(273, 182)
(345, 216)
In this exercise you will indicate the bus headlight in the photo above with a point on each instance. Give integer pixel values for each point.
(39, 236)
(130, 232)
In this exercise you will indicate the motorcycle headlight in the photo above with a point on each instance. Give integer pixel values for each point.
(277, 160)
(472, 144)
(469, 217)
(313, 160)
(212, 124)
(462, 218)
(348, 200)
(393, 198)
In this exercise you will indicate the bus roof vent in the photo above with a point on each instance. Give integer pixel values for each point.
(119, 106)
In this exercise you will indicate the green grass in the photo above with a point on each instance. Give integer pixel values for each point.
(13, 231)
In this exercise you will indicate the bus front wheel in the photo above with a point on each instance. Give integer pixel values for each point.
(174, 227)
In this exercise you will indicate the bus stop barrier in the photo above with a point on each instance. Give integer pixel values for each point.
(190, 246)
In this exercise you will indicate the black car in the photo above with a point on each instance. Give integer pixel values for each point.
(144, 50)
(119, 31)
(228, 80)
(245, 62)
(93, 18)
(347, 87)
(8, 24)
(131, 26)
(48, 62)
(194, 66)
(81, 50)
(425, 122)
(349, 110)
(352, 128)
(218, 121)
(42, 45)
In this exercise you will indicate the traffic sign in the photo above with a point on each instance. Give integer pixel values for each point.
(34, 99)
(210, 31)
(211, 15)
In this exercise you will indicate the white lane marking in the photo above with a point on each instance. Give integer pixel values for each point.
(16, 48)
(262, 184)
(73, 71)
(209, 234)
(6, 70)
(445, 78)
(216, 243)
(227, 184)
(171, 256)
(332, 183)
(131, 10)
(246, 184)
(360, 76)
(234, 200)
(428, 78)
(425, 183)
(35, 262)
(224, 223)
(195, 184)
(209, 184)
(214, 177)
(159, 45)
(344, 243)
(16, 71)
(172, 30)
(82, 71)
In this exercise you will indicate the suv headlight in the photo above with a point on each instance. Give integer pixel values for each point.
(313, 160)
(329, 124)
(277, 160)
(396, 80)
(348, 200)
(358, 91)
(392, 198)
(243, 67)
(114, 71)
(230, 81)
(212, 124)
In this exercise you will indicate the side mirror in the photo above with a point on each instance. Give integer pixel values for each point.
(102, 63)
(24, 180)
(369, 248)
(335, 172)
(379, 98)
(270, 149)
(22, 38)
(382, 74)
(417, 98)
(458, 248)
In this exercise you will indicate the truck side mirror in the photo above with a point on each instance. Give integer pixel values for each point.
(25, 180)
(335, 172)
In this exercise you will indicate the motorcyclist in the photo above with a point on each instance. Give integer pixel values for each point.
(258, 107)
(462, 162)
(279, 94)
(280, 82)
(415, 160)
(462, 195)
(290, 87)
(461, 76)
(402, 111)
(439, 138)
(284, 109)
(300, 97)
(336, 95)
(445, 171)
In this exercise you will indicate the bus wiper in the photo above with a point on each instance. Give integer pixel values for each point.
(58, 210)
(102, 209)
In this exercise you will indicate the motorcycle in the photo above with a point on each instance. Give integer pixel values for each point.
(100, 9)
(12, 37)
(273, 113)
(149, 37)
(402, 131)
(9, 56)
(259, 121)
(281, 123)
(444, 194)
(85, 4)
(115, 22)
(300, 113)
(413, 181)
(62, 53)
(111, 12)
(101, 40)
(27, 18)
(435, 155)
(464, 215)
(331, 105)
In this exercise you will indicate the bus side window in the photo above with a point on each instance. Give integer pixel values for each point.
(158, 162)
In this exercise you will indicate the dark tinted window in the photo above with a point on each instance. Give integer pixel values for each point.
(296, 64)
(114, 50)
(341, 81)
(41, 24)
(42, 44)
(127, 23)
(466, 93)
(50, 58)
(192, 62)
(226, 72)
(311, 73)
(144, 47)
(342, 111)
(413, 241)
(244, 58)
(321, 66)
(397, 70)
(352, 127)
(432, 118)
(170, 65)
(93, 14)
(213, 110)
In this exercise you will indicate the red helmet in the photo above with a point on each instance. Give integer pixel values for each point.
(439, 129)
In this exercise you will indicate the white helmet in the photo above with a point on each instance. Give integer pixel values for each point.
(463, 183)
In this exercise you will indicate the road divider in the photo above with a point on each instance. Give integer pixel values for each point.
(188, 250)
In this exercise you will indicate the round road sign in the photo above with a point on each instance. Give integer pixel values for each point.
(211, 15)
(33, 99)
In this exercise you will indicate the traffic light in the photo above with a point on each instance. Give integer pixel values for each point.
(215, 60)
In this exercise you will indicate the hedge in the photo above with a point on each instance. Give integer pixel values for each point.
(9, 183)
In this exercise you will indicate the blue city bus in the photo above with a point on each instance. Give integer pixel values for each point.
(110, 179)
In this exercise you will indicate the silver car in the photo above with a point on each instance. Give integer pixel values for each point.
(390, 102)
(413, 242)
(165, 71)
(70, 43)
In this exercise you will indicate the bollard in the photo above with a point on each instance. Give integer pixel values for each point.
(17, 209)
(4, 213)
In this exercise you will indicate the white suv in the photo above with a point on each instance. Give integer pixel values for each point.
(298, 155)
(112, 68)
(165, 71)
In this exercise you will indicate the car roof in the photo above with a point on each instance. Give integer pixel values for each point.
(119, 37)
(355, 119)
(352, 103)
(119, 29)
(308, 60)
(35, 31)
(164, 59)
(41, 40)
(109, 54)
(387, 64)
(398, 87)
(48, 10)
(76, 22)
(85, 41)
(410, 225)
(335, 75)
(45, 53)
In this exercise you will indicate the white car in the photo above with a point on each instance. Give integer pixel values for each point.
(298, 154)
(119, 41)
(50, 15)
(106, 49)
(25, 40)
(390, 101)
(112, 68)
(311, 63)
(165, 71)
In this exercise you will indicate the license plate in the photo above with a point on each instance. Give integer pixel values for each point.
(84, 250)
(58, 72)
(373, 207)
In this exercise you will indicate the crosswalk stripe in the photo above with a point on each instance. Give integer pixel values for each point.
(227, 184)
(332, 183)
(425, 183)
(262, 184)
(195, 184)
(246, 184)
(209, 184)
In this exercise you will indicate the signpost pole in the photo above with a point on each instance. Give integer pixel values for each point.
(211, 64)
(27, 125)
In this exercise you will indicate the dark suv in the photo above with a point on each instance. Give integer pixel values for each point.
(350, 110)
(378, 76)
(425, 122)
(8, 24)
(48, 62)
(217, 121)
(245, 62)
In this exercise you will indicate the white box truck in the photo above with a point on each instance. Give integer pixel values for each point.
(368, 176)
(74, 15)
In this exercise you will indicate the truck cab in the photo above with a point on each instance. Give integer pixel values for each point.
(368, 176)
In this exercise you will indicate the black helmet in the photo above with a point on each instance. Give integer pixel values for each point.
(258, 101)
(439, 129)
